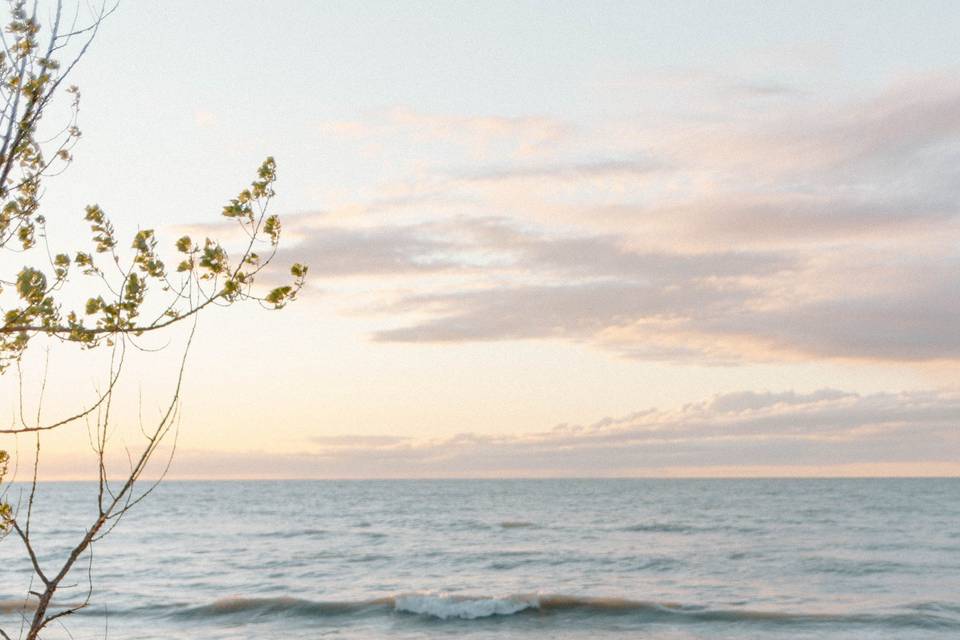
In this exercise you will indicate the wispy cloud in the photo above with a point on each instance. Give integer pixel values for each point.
(791, 432)
(799, 228)
(564, 172)
(335, 252)
(520, 135)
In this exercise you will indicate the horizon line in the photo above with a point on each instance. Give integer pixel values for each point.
(504, 478)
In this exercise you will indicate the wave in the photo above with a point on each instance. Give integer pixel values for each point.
(688, 529)
(852, 567)
(445, 606)
(16, 606)
(279, 605)
(292, 533)
(662, 527)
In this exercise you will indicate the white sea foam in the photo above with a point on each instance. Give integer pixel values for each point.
(446, 606)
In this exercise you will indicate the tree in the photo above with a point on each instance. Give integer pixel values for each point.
(127, 293)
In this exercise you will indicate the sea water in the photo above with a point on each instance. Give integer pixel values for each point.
(569, 559)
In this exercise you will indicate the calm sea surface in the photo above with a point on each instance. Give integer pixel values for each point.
(571, 559)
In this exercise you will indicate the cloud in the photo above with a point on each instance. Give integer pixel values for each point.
(469, 242)
(349, 441)
(789, 219)
(610, 255)
(335, 252)
(566, 172)
(804, 227)
(915, 323)
(574, 311)
(741, 401)
(701, 319)
(781, 433)
(519, 135)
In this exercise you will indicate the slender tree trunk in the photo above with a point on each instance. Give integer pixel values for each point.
(40, 619)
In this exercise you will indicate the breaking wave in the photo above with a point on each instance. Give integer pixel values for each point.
(444, 606)
(16, 606)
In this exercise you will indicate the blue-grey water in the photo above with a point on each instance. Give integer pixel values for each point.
(571, 559)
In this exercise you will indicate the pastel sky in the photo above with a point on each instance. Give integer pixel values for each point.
(548, 238)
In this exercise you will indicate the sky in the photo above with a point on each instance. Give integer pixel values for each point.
(544, 239)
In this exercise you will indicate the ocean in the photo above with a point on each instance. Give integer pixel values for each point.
(567, 559)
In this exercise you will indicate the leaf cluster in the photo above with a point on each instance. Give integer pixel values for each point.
(108, 288)
(205, 274)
